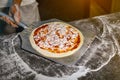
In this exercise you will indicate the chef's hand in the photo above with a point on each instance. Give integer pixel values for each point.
(14, 12)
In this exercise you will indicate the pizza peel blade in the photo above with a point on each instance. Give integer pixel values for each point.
(70, 60)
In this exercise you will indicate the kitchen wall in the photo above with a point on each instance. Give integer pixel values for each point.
(101, 7)
(69, 10)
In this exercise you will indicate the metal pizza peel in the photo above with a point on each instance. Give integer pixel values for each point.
(70, 60)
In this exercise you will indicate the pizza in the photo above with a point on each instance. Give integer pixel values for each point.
(56, 39)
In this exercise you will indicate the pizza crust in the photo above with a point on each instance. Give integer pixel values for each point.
(51, 54)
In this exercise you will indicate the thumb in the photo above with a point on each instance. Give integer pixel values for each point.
(17, 15)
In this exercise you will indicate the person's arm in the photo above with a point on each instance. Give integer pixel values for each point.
(14, 12)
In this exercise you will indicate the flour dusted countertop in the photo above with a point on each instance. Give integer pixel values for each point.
(100, 61)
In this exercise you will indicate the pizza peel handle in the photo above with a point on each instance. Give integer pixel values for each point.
(21, 24)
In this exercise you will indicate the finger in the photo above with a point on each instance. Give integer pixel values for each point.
(17, 17)
(13, 25)
(17, 13)
(10, 22)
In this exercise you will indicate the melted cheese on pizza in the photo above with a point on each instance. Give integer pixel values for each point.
(56, 37)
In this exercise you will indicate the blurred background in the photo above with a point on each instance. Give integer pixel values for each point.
(69, 10)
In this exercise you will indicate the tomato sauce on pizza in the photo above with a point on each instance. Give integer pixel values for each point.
(56, 37)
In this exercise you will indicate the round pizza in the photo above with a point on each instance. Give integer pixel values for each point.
(56, 39)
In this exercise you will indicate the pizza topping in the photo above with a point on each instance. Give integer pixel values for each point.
(56, 37)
